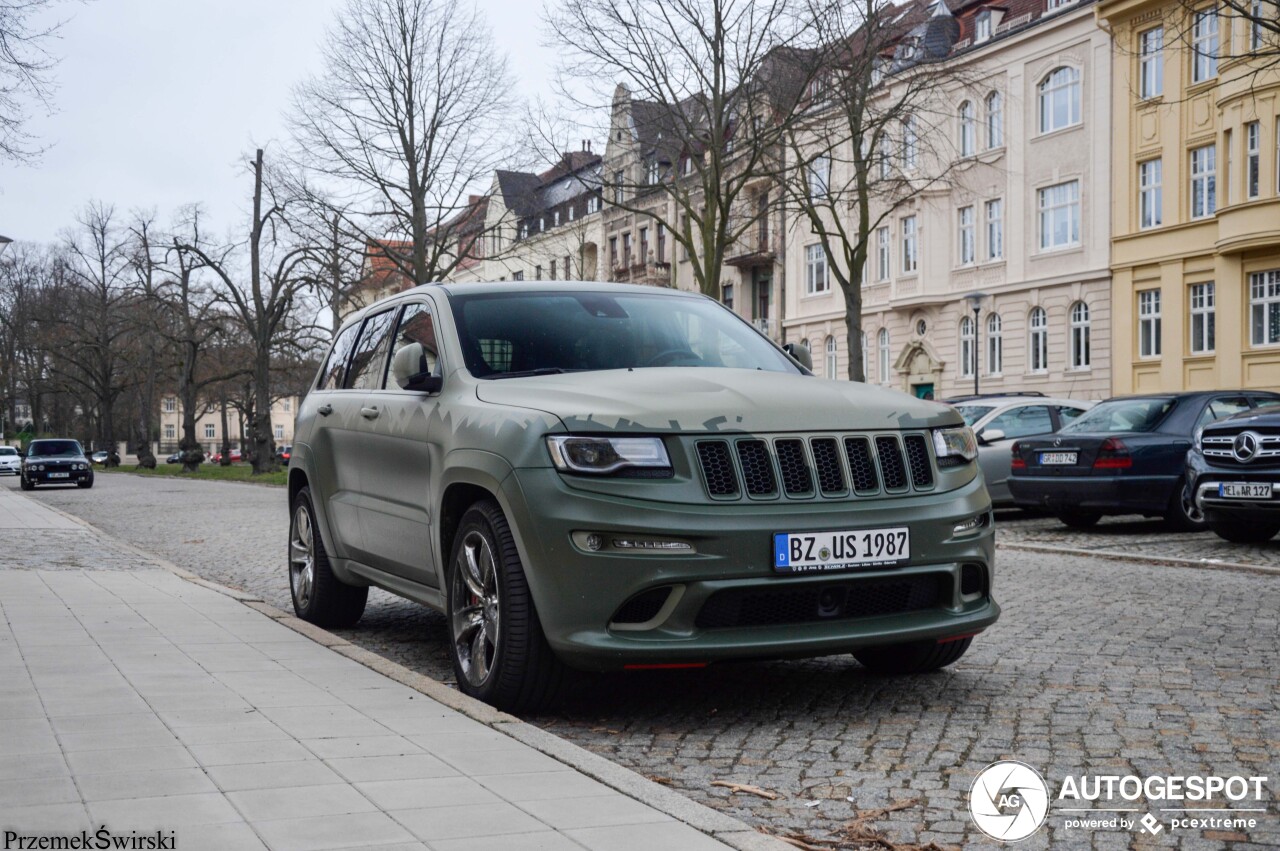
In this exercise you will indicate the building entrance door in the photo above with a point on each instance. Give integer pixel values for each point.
(922, 391)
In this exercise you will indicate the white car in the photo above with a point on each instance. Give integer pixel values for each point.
(10, 461)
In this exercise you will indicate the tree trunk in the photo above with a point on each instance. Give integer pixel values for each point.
(226, 433)
(264, 445)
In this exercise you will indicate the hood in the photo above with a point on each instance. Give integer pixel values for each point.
(52, 459)
(700, 400)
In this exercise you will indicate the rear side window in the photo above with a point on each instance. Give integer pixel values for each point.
(331, 378)
(1023, 421)
(370, 356)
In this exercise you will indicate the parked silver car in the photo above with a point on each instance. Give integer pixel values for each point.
(1000, 420)
(10, 461)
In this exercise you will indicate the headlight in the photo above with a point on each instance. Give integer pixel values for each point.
(1195, 438)
(954, 446)
(600, 456)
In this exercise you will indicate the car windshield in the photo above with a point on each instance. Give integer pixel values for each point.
(1120, 415)
(510, 335)
(973, 413)
(54, 448)
(8, 450)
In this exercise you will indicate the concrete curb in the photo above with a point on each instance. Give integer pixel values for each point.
(1170, 561)
(179, 478)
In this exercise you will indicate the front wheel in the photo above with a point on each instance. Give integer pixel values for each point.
(26, 485)
(319, 597)
(499, 651)
(915, 657)
(1183, 514)
(86, 483)
(1245, 532)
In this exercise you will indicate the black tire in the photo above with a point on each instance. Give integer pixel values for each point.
(915, 657)
(87, 483)
(1182, 514)
(1244, 531)
(319, 597)
(24, 484)
(517, 672)
(1080, 519)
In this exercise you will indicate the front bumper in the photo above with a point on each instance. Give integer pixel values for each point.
(578, 592)
(58, 477)
(1105, 494)
(1207, 480)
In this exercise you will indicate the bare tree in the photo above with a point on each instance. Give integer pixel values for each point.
(26, 71)
(405, 121)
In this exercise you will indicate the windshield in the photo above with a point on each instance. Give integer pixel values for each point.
(49, 448)
(1122, 415)
(508, 335)
(8, 450)
(973, 413)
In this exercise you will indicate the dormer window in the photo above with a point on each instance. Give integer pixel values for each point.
(982, 26)
(686, 166)
(555, 219)
(651, 172)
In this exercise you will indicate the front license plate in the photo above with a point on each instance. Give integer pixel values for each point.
(59, 475)
(1245, 490)
(1047, 458)
(818, 552)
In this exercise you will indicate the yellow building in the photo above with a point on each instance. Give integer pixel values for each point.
(1196, 198)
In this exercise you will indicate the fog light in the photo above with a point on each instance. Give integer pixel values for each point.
(594, 542)
(976, 522)
(631, 544)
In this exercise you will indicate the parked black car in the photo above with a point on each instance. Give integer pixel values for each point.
(1125, 456)
(1234, 470)
(55, 462)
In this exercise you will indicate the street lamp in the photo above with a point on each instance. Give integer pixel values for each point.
(975, 302)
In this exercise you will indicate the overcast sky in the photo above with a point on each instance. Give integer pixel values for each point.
(159, 100)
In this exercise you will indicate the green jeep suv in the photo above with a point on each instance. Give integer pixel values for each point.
(600, 476)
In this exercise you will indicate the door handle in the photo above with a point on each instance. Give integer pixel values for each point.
(324, 410)
(370, 413)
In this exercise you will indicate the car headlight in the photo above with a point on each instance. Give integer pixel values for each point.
(1195, 438)
(602, 456)
(954, 446)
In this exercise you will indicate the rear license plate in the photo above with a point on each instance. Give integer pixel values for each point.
(59, 475)
(818, 552)
(1245, 490)
(1048, 458)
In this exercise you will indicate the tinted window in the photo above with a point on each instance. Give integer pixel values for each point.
(369, 358)
(1023, 421)
(331, 379)
(973, 413)
(54, 447)
(1122, 415)
(1222, 407)
(8, 450)
(415, 350)
(1067, 414)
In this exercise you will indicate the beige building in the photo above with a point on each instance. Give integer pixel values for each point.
(209, 425)
(1196, 204)
(1023, 218)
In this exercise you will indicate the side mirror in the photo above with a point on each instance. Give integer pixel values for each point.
(989, 436)
(425, 382)
(800, 354)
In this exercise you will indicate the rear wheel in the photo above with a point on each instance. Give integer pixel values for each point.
(1183, 514)
(319, 597)
(499, 651)
(1244, 531)
(1080, 519)
(916, 657)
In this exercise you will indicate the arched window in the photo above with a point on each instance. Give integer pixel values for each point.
(967, 351)
(995, 345)
(1079, 335)
(1038, 340)
(995, 120)
(967, 129)
(1059, 99)
(831, 357)
(883, 345)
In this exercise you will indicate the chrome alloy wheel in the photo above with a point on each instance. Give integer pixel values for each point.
(474, 612)
(302, 557)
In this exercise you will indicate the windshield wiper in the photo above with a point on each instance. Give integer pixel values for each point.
(544, 370)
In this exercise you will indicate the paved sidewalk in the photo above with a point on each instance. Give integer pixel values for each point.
(139, 701)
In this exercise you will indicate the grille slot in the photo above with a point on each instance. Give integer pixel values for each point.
(797, 480)
(826, 459)
(717, 468)
(892, 467)
(809, 603)
(757, 468)
(861, 467)
(918, 461)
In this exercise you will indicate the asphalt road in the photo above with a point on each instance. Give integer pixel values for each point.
(1097, 667)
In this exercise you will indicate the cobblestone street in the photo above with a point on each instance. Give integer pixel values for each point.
(1097, 666)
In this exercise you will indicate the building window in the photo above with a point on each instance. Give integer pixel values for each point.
(1256, 24)
(567, 268)
(651, 173)
(831, 357)
(910, 144)
(537, 273)
(1253, 154)
(968, 130)
(617, 187)
(517, 276)
(1264, 307)
(644, 245)
(882, 253)
(170, 431)
(968, 252)
(882, 341)
(995, 120)
(982, 26)
(727, 295)
(279, 432)
(210, 431)
(1150, 194)
(1228, 165)
(1149, 324)
(1202, 318)
(865, 354)
(169, 405)
(1151, 62)
(626, 249)
(967, 350)
(593, 203)
(1059, 99)
(815, 263)
(1204, 44)
(910, 246)
(662, 243)
(819, 176)
(572, 210)
(886, 157)
(1203, 182)
(995, 229)
(1038, 340)
(995, 344)
(555, 219)
(1079, 335)
(613, 252)
(553, 270)
(1060, 215)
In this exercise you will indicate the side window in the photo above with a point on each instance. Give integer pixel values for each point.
(331, 378)
(1023, 422)
(1066, 414)
(415, 350)
(370, 356)
(1223, 406)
